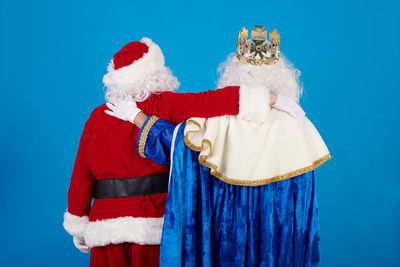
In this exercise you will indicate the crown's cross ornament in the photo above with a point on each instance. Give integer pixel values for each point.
(258, 37)
(258, 50)
(258, 33)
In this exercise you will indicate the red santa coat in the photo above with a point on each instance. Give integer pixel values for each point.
(107, 150)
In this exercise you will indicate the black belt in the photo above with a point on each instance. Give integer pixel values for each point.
(131, 187)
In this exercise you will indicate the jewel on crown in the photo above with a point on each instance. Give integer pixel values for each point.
(258, 50)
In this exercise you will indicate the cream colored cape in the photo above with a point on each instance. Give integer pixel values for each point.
(241, 152)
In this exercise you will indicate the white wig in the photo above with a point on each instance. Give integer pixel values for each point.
(140, 89)
(281, 77)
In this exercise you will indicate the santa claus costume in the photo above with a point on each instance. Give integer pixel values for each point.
(122, 227)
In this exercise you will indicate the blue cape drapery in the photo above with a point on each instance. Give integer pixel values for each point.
(211, 223)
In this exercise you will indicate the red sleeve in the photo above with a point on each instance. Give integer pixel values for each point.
(81, 187)
(177, 107)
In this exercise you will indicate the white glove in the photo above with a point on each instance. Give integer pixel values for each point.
(286, 104)
(80, 244)
(124, 110)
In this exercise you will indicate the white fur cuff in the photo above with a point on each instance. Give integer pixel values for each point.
(253, 103)
(143, 231)
(75, 225)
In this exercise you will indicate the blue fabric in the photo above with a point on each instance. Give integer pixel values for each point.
(158, 141)
(212, 223)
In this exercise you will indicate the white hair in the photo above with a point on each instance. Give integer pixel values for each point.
(281, 77)
(140, 89)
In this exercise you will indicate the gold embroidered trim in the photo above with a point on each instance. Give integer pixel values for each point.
(186, 139)
(143, 135)
(213, 168)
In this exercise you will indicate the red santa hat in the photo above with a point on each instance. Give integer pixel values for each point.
(135, 61)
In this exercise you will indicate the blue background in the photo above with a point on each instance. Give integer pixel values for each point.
(54, 56)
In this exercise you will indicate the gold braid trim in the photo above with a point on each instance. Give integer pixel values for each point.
(144, 134)
(186, 139)
(213, 168)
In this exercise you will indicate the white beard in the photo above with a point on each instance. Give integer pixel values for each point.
(281, 77)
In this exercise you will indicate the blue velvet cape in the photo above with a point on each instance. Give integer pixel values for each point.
(211, 223)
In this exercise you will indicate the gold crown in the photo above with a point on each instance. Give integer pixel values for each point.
(258, 50)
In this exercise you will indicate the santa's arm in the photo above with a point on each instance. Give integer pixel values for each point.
(155, 138)
(80, 192)
(129, 110)
(231, 100)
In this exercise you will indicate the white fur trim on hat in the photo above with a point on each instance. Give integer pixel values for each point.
(75, 225)
(149, 63)
(143, 231)
(253, 103)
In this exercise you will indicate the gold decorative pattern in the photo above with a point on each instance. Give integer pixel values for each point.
(258, 50)
(274, 35)
(256, 61)
(144, 134)
(243, 35)
(213, 168)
